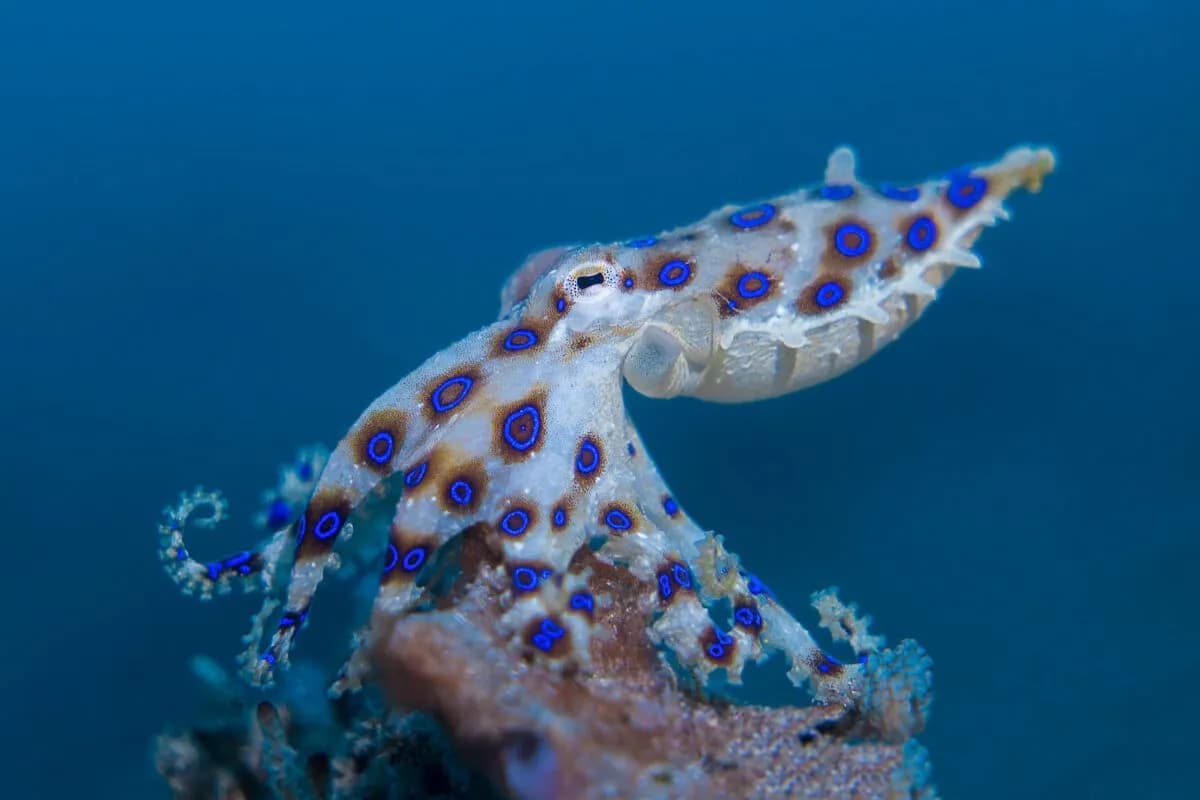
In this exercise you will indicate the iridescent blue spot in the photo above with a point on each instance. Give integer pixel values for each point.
(268, 657)
(753, 216)
(905, 194)
(674, 272)
(181, 554)
(682, 576)
(645, 241)
(823, 666)
(588, 459)
(301, 524)
(664, 587)
(542, 642)
(560, 517)
(921, 234)
(413, 559)
(460, 492)
(552, 629)
(520, 339)
(618, 520)
(582, 601)
(214, 570)
(670, 506)
(515, 522)
(748, 617)
(524, 579)
(278, 514)
(522, 426)
(627, 282)
(328, 525)
(380, 447)
(753, 284)
(415, 475)
(965, 189)
(829, 294)
(863, 658)
(393, 558)
(305, 471)
(837, 191)
(852, 240)
(560, 305)
(547, 573)
(632, 450)
(450, 394)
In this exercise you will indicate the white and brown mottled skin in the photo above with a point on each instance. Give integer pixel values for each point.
(806, 312)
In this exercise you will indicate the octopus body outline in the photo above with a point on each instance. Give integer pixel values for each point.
(518, 432)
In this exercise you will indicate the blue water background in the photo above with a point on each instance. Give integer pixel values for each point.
(225, 228)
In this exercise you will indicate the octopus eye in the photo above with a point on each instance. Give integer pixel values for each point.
(592, 279)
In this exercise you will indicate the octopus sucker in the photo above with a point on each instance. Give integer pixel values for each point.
(518, 434)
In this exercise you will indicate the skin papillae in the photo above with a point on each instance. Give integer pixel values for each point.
(542, 592)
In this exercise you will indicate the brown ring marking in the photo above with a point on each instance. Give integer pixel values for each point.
(832, 258)
(463, 488)
(391, 421)
(450, 397)
(654, 266)
(730, 299)
(314, 519)
(519, 428)
(807, 303)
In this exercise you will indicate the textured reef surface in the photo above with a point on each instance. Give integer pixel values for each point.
(547, 621)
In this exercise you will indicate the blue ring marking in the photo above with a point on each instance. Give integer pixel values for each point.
(618, 520)
(413, 559)
(334, 521)
(552, 628)
(268, 657)
(748, 617)
(588, 448)
(755, 585)
(278, 514)
(664, 587)
(753, 216)
(515, 522)
(748, 292)
(393, 558)
(628, 282)
(389, 445)
(415, 475)
(560, 517)
(535, 427)
(715, 651)
(841, 240)
(632, 450)
(645, 241)
(520, 339)
(921, 234)
(440, 405)
(905, 194)
(675, 272)
(214, 570)
(181, 554)
(301, 525)
(560, 305)
(582, 601)
(965, 189)
(670, 506)
(837, 191)
(824, 667)
(829, 294)
(305, 471)
(682, 576)
(524, 579)
(460, 492)
(542, 642)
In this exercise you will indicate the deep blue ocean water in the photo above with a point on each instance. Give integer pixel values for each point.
(224, 229)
